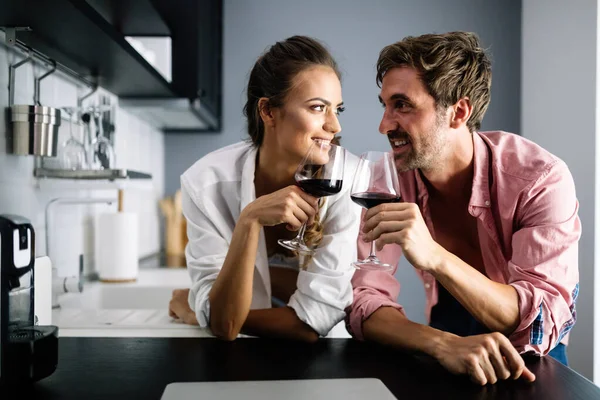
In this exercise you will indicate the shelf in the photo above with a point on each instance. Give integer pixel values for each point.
(47, 181)
(90, 174)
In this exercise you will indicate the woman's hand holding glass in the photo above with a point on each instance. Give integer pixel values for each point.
(289, 205)
(320, 174)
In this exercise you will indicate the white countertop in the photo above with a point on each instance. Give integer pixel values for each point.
(136, 309)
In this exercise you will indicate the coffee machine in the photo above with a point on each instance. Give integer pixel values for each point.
(28, 352)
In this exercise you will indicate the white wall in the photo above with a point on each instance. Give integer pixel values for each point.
(559, 92)
(138, 146)
(355, 32)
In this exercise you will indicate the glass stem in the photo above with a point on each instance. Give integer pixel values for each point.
(373, 249)
(300, 236)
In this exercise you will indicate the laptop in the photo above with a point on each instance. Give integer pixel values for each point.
(312, 389)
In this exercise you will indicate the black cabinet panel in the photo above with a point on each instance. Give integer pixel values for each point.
(132, 17)
(87, 36)
(75, 35)
(196, 27)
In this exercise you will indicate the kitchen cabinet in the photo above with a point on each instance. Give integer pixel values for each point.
(196, 31)
(88, 37)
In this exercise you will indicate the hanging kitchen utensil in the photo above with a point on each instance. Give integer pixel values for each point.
(34, 127)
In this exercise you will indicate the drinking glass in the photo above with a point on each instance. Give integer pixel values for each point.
(73, 154)
(320, 174)
(375, 182)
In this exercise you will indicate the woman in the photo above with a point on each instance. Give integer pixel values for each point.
(239, 200)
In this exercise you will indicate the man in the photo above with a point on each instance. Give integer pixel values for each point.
(488, 220)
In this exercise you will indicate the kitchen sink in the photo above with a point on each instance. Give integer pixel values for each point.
(152, 290)
(110, 297)
(137, 309)
(125, 309)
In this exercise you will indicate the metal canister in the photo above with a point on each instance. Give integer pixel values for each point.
(35, 130)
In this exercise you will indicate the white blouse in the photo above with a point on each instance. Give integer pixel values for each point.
(214, 192)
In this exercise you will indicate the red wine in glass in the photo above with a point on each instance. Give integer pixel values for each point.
(321, 187)
(373, 199)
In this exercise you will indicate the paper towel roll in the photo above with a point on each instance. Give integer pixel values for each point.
(117, 247)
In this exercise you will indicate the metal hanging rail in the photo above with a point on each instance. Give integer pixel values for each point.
(13, 42)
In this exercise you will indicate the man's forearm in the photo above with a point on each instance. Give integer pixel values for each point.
(279, 322)
(494, 304)
(389, 326)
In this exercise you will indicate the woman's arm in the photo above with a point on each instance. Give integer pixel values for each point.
(279, 322)
(271, 322)
(231, 294)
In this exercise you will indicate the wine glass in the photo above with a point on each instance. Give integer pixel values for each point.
(375, 182)
(320, 174)
(73, 154)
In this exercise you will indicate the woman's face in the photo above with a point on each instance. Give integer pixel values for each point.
(310, 111)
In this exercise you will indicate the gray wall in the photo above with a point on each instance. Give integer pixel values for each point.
(559, 112)
(355, 32)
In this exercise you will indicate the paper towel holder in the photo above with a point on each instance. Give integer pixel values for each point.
(112, 276)
(117, 233)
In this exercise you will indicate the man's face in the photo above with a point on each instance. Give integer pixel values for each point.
(415, 128)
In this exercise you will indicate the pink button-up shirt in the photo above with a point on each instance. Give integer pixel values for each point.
(524, 200)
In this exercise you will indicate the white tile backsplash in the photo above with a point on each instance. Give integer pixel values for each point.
(4, 64)
(137, 145)
(48, 89)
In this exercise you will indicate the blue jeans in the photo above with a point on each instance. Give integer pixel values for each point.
(559, 353)
(450, 316)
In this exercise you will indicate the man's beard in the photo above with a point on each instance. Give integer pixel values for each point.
(429, 155)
